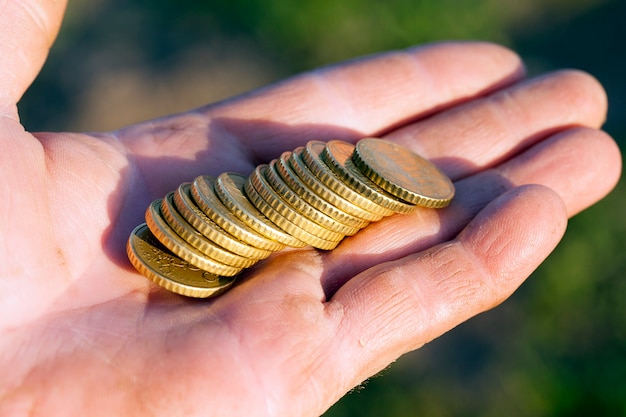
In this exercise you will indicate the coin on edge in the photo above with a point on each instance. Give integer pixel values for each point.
(311, 154)
(167, 270)
(285, 224)
(403, 173)
(301, 201)
(302, 215)
(292, 162)
(187, 207)
(177, 245)
(196, 239)
(229, 187)
(203, 192)
(338, 156)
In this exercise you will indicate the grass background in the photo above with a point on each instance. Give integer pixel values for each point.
(558, 346)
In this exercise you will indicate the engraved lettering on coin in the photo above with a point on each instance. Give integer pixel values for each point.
(195, 239)
(164, 268)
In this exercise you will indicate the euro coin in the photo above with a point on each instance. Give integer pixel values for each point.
(196, 239)
(203, 192)
(302, 216)
(310, 204)
(177, 245)
(293, 162)
(403, 173)
(186, 206)
(286, 225)
(338, 156)
(229, 187)
(167, 270)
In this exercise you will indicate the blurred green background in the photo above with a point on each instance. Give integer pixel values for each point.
(558, 346)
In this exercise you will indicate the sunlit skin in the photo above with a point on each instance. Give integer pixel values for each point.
(83, 334)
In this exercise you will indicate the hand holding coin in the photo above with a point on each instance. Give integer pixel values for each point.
(83, 333)
(377, 166)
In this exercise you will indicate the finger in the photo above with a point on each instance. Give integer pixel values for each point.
(348, 101)
(27, 30)
(364, 97)
(399, 306)
(582, 165)
(486, 131)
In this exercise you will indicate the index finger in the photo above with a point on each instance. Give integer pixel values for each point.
(364, 97)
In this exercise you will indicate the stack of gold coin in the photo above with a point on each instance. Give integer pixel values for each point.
(197, 238)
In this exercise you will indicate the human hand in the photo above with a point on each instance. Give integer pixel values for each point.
(84, 334)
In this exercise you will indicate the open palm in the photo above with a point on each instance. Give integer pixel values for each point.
(84, 334)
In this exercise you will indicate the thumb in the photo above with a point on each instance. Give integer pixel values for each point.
(27, 30)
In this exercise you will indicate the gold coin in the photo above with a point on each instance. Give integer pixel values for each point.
(167, 270)
(291, 188)
(338, 156)
(178, 246)
(186, 206)
(183, 229)
(311, 155)
(289, 227)
(295, 162)
(301, 204)
(203, 192)
(229, 187)
(301, 217)
(205, 232)
(403, 173)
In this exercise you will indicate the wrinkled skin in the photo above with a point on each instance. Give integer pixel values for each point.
(82, 333)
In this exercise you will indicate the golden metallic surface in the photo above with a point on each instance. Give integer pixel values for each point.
(285, 224)
(229, 187)
(287, 183)
(178, 246)
(186, 231)
(338, 156)
(302, 217)
(167, 270)
(316, 185)
(403, 173)
(203, 192)
(204, 232)
(311, 155)
(186, 206)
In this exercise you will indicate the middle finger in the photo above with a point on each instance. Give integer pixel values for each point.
(486, 131)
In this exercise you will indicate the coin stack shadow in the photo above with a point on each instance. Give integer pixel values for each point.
(197, 238)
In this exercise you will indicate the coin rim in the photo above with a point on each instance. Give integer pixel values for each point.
(289, 227)
(396, 189)
(294, 190)
(243, 208)
(358, 181)
(300, 218)
(196, 239)
(213, 207)
(186, 206)
(320, 188)
(177, 245)
(324, 174)
(145, 269)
